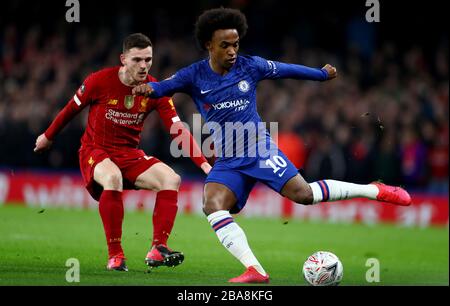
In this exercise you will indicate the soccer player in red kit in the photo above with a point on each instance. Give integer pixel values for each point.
(110, 160)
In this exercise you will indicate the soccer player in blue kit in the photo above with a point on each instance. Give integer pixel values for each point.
(223, 87)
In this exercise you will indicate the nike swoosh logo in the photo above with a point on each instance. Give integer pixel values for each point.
(205, 91)
(281, 174)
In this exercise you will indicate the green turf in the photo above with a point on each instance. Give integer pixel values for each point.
(35, 245)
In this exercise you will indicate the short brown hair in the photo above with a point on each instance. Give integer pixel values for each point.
(136, 40)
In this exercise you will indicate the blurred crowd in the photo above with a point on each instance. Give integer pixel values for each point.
(384, 118)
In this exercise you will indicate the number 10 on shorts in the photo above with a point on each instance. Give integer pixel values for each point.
(276, 163)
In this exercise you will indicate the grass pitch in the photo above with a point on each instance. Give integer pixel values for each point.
(36, 243)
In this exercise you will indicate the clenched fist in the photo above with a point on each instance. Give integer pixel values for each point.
(332, 72)
(42, 144)
(142, 90)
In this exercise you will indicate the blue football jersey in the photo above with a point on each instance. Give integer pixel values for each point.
(228, 102)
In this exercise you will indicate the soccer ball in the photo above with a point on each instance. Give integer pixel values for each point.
(323, 269)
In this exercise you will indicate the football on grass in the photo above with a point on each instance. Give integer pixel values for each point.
(323, 269)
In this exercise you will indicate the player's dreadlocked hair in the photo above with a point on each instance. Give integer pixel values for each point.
(219, 19)
(136, 40)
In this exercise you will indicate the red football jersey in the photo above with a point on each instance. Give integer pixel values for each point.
(116, 117)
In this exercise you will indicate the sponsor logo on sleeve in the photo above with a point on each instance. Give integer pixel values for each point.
(81, 90)
(272, 66)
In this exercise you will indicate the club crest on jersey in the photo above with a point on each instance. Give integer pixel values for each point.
(129, 102)
(243, 86)
(144, 103)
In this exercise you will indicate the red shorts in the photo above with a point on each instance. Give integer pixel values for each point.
(131, 162)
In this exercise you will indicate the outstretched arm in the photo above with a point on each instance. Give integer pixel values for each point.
(179, 133)
(277, 70)
(45, 140)
(80, 100)
(193, 149)
(179, 82)
(300, 72)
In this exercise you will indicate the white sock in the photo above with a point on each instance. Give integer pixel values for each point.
(233, 239)
(331, 190)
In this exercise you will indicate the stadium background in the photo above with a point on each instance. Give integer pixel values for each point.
(384, 118)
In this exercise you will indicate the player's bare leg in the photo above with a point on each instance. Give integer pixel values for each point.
(217, 202)
(162, 179)
(158, 177)
(299, 191)
(108, 175)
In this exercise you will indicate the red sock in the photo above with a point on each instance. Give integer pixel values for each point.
(111, 211)
(164, 215)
